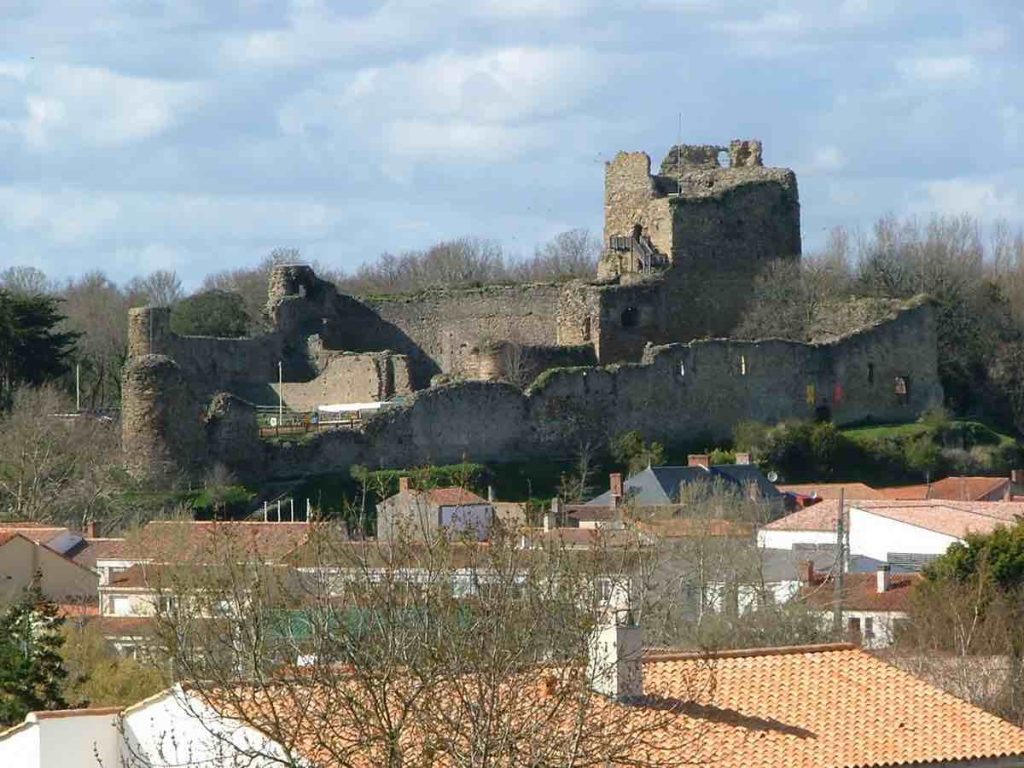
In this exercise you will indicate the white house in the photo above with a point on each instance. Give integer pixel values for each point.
(891, 531)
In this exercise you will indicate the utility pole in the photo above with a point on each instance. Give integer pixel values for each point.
(839, 566)
(280, 393)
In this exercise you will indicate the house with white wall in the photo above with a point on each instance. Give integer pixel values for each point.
(897, 532)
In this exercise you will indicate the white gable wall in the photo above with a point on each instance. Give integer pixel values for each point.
(876, 536)
(72, 741)
(771, 539)
(167, 731)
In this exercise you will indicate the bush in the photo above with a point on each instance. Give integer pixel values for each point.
(211, 313)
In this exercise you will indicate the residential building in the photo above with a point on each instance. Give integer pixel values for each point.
(873, 605)
(62, 560)
(660, 487)
(971, 488)
(905, 534)
(425, 514)
(136, 573)
(801, 707)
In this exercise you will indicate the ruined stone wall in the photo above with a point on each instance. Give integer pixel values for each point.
(678, 393)
(211, 364)
(349, 377)
(445, 326)
(520, 364)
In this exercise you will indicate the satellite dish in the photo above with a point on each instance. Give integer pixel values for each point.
(773, 477)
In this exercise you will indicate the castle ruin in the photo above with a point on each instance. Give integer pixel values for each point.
(642, 346)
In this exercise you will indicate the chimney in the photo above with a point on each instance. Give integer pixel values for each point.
(882, 578)
(615, 663)
(1017, 476)
(553, 515)
(698, 460)
(742, 458)
(403, 484)
(90, 530)
(615, 483)
(807, 571)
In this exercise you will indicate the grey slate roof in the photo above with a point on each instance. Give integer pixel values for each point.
(657, 486)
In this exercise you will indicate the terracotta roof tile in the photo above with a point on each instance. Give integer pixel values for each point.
(817, 517)
(453, 496)
(966, 488)
(173, 541)
(953, 518)
(860, 592)
(852, 491)
(831, 706)
(835, 706)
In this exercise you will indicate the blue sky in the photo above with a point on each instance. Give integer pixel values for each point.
(196, 136)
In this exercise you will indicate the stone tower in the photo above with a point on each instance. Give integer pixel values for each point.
(689, 241)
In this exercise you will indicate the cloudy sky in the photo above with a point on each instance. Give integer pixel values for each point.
(197, 135)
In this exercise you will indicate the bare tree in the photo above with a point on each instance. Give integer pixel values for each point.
(161, 288)
(416, 653)
(28, 281)
(54, 469)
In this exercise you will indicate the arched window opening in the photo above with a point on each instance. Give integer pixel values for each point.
(743, 365)
(630, 317)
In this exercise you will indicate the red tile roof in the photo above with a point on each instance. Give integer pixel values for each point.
(860, 592)
(952, 489)
(817, 517)
(828, 707)
(852, 491)
(452, 496)
(174, 541)
(832, 706)
(953, 518)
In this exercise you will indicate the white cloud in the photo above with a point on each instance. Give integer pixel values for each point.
(981, 199)
(936, 69)
(451, 105)
(63, 217)
(458, 139)
(99, 107)
(827, 159)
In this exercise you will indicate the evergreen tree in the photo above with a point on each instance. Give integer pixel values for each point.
(32, 671)
(32, 348)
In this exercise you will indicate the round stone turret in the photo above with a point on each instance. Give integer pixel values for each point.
(148, 327)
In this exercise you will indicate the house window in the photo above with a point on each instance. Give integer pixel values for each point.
(853, 626)
(869, 627)
(901, 386)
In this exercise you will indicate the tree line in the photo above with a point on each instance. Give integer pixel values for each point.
(974, 276)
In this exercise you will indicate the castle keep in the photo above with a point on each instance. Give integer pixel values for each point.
(639, 347)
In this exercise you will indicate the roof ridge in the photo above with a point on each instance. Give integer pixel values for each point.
(735, 653)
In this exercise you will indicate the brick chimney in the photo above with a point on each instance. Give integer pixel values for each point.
(698, 460)
(883, 579)
(742, 458)
(807, 571)
(615, 662)
(552, 515)
(403, 484)
(90, 530)
(615, 484)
